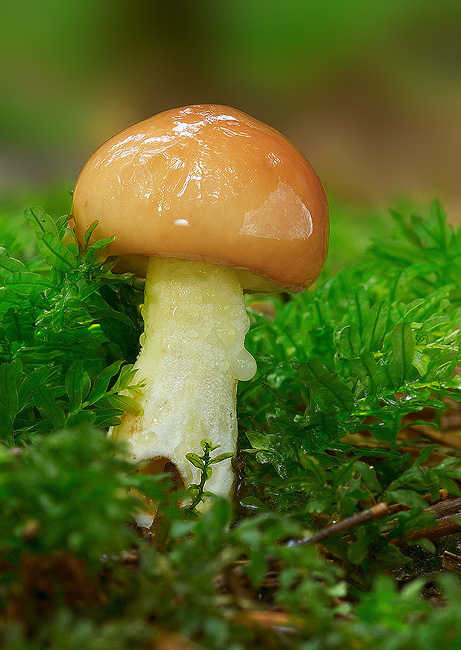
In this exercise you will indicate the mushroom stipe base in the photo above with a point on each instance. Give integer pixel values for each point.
(192, 355)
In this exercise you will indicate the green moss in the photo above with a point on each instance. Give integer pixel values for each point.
(366, 349)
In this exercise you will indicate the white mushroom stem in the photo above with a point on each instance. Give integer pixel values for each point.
(192, 355)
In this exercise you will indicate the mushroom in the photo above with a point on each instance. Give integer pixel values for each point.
(205, 202)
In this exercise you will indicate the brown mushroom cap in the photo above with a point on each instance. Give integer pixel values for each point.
(207, 183)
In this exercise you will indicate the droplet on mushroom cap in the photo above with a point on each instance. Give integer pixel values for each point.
(207, 183)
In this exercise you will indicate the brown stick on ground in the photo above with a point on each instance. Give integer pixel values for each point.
(376, 512)
(451, 562)
(444, 511)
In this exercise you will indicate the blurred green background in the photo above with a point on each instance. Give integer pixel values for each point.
(370, 91)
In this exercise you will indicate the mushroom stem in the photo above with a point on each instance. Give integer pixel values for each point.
(192, 355)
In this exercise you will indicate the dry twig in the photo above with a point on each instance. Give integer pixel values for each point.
(376, 512)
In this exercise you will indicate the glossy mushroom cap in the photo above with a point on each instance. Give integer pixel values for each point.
(207, 183)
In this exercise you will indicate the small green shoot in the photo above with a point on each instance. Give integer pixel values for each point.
(204, 464)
